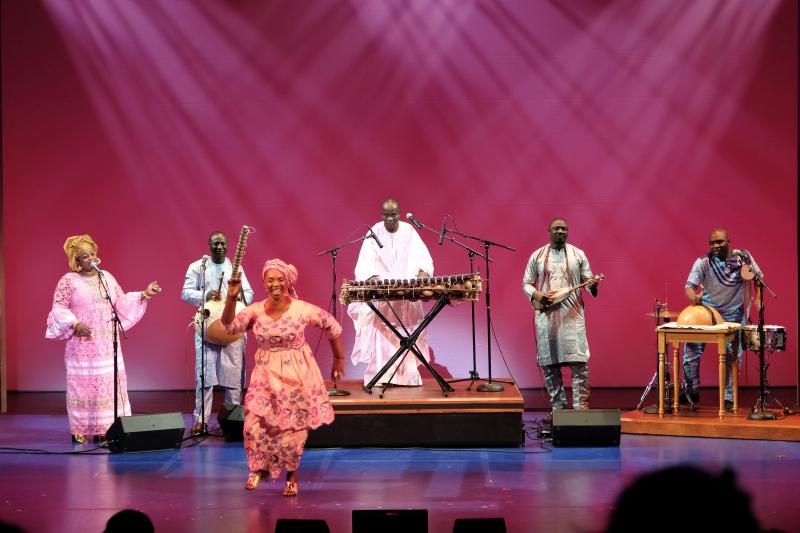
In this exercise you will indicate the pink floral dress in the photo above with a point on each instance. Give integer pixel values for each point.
(287, 395)
(90, 360)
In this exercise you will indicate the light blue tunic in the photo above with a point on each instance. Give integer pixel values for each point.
(224, 364)
(723, 287)
(560, 329)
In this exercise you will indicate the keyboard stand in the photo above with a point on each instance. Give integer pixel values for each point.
(408, 343)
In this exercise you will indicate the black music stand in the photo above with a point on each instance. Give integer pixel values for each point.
(491, 385)
(408, 343)
(335, 391)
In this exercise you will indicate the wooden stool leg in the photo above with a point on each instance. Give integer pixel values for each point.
(661, 361)
(722, 349)
(735, 371)
(675, 377)
(661, 383)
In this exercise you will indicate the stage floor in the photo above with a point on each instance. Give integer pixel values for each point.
(706, 422)
(48, 485)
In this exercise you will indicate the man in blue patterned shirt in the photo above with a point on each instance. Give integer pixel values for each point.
(716, 281)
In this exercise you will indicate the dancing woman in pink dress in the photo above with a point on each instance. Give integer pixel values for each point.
(81, 316)
(287, 396)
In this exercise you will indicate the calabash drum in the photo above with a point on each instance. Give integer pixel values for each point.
(214, 331)
(699, 315)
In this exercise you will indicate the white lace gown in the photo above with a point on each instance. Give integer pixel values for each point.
(403, 255)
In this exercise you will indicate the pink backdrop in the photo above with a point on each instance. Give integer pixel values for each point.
(645, 124)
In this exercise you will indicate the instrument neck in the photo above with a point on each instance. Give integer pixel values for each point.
(237, 259)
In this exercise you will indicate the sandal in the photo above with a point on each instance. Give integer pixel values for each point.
(79, 439)
(290, 489)
(197, 429)
(252, 480)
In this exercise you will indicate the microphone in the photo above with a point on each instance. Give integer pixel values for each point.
(372, 234)
(413, 220)
(444, 229)
(94, 266)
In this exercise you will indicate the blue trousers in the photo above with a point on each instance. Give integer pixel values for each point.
(691, 363)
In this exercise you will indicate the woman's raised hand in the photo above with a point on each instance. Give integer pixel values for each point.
(234, 287)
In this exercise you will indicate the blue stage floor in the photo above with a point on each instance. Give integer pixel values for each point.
(200, 487)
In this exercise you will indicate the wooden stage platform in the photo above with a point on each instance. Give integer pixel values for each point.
(423, 416)
(706, 422)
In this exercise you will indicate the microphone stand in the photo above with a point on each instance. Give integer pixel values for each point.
(759, 411)
(332, 302)
(334, 253)
(473, 374)
(491, 385)
(201, 310)
(116, 323)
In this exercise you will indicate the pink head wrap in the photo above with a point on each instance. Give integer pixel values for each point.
(289, 273)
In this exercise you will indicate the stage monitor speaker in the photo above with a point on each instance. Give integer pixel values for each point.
(479, 525)
(142, 433)
(390, 520)
(301, 525)
(231, 421)
(586, 428)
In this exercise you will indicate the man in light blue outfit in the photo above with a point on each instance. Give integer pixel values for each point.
(716, 281)
(224, 364)
(560, 325)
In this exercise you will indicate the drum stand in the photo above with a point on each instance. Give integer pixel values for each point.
(760, 411)
(408, 343)
(667, 382)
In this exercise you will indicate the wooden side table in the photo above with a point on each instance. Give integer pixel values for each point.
(706, 335)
